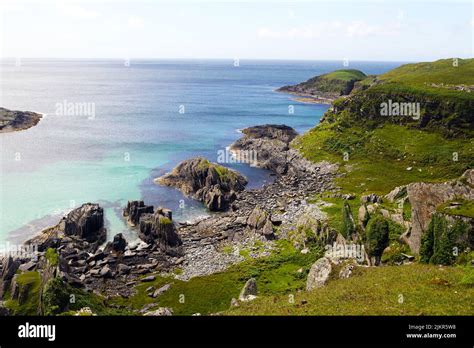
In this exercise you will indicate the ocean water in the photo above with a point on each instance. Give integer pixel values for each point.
(147, 117)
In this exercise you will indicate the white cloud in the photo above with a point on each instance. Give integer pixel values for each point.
(135, 22)
(332, 28)
(76, 11)
(360, 28)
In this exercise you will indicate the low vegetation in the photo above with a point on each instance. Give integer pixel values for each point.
(413, 289)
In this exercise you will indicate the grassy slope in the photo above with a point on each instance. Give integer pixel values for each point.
(425, 289)
(277, 274)
(378, 159)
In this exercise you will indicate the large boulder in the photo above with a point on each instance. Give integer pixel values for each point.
(118, 245)
(319, 274)
(260, 222)
(205, 181)
(134, 210)
(86, 222)
(249, 291)
(425, 198)
(158, 229)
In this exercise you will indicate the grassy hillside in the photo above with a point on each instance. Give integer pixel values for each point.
(442, 92)
(391, 290)
(377, 153)
(441, 71)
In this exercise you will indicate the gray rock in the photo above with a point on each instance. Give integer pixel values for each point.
(159, 229)
(249, 291)
(134, 210)
(160, 312)
(346, 271)
(148, 279)
(123, 268)
(161, 290)
(105, 272)
(318, 274)
(234, 302)
(86, 222)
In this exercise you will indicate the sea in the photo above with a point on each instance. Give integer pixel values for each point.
(110, 127)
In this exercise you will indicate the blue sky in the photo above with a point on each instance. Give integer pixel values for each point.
(311, 30)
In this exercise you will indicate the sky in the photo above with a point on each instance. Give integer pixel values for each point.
(374, 30)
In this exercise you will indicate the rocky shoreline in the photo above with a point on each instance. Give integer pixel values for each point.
(11, 121)
(194, 248)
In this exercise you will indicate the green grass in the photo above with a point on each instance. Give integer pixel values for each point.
(52, 256)
(458, 207)
(275, 274)
(31, 305)
(425, 290)
(345, 75)
(379, 158)
(440, 71)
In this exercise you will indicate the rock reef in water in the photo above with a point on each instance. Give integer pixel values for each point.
(11, 121)
(214, 185)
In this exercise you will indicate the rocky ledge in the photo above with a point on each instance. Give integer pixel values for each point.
(272, 149)
(214, 185)
(11, 121)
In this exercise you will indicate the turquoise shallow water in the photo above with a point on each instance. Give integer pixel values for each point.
(137, 133)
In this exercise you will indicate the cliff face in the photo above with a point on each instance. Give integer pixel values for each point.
(450, 116)
(425, 198)
(207, 182)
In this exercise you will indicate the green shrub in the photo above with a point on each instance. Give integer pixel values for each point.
(440, 241)
(55, 297)
(377, 236)
(52, 256)
(348, 226)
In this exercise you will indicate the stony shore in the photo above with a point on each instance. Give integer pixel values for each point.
(194, 248)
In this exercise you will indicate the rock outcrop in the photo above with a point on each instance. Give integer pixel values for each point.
(8, 271)
(11, 121)
(425, 198)
(134, 210)
(158, 229)
(269, 146)
(269, 143)
(86, 222)
(210, 183)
